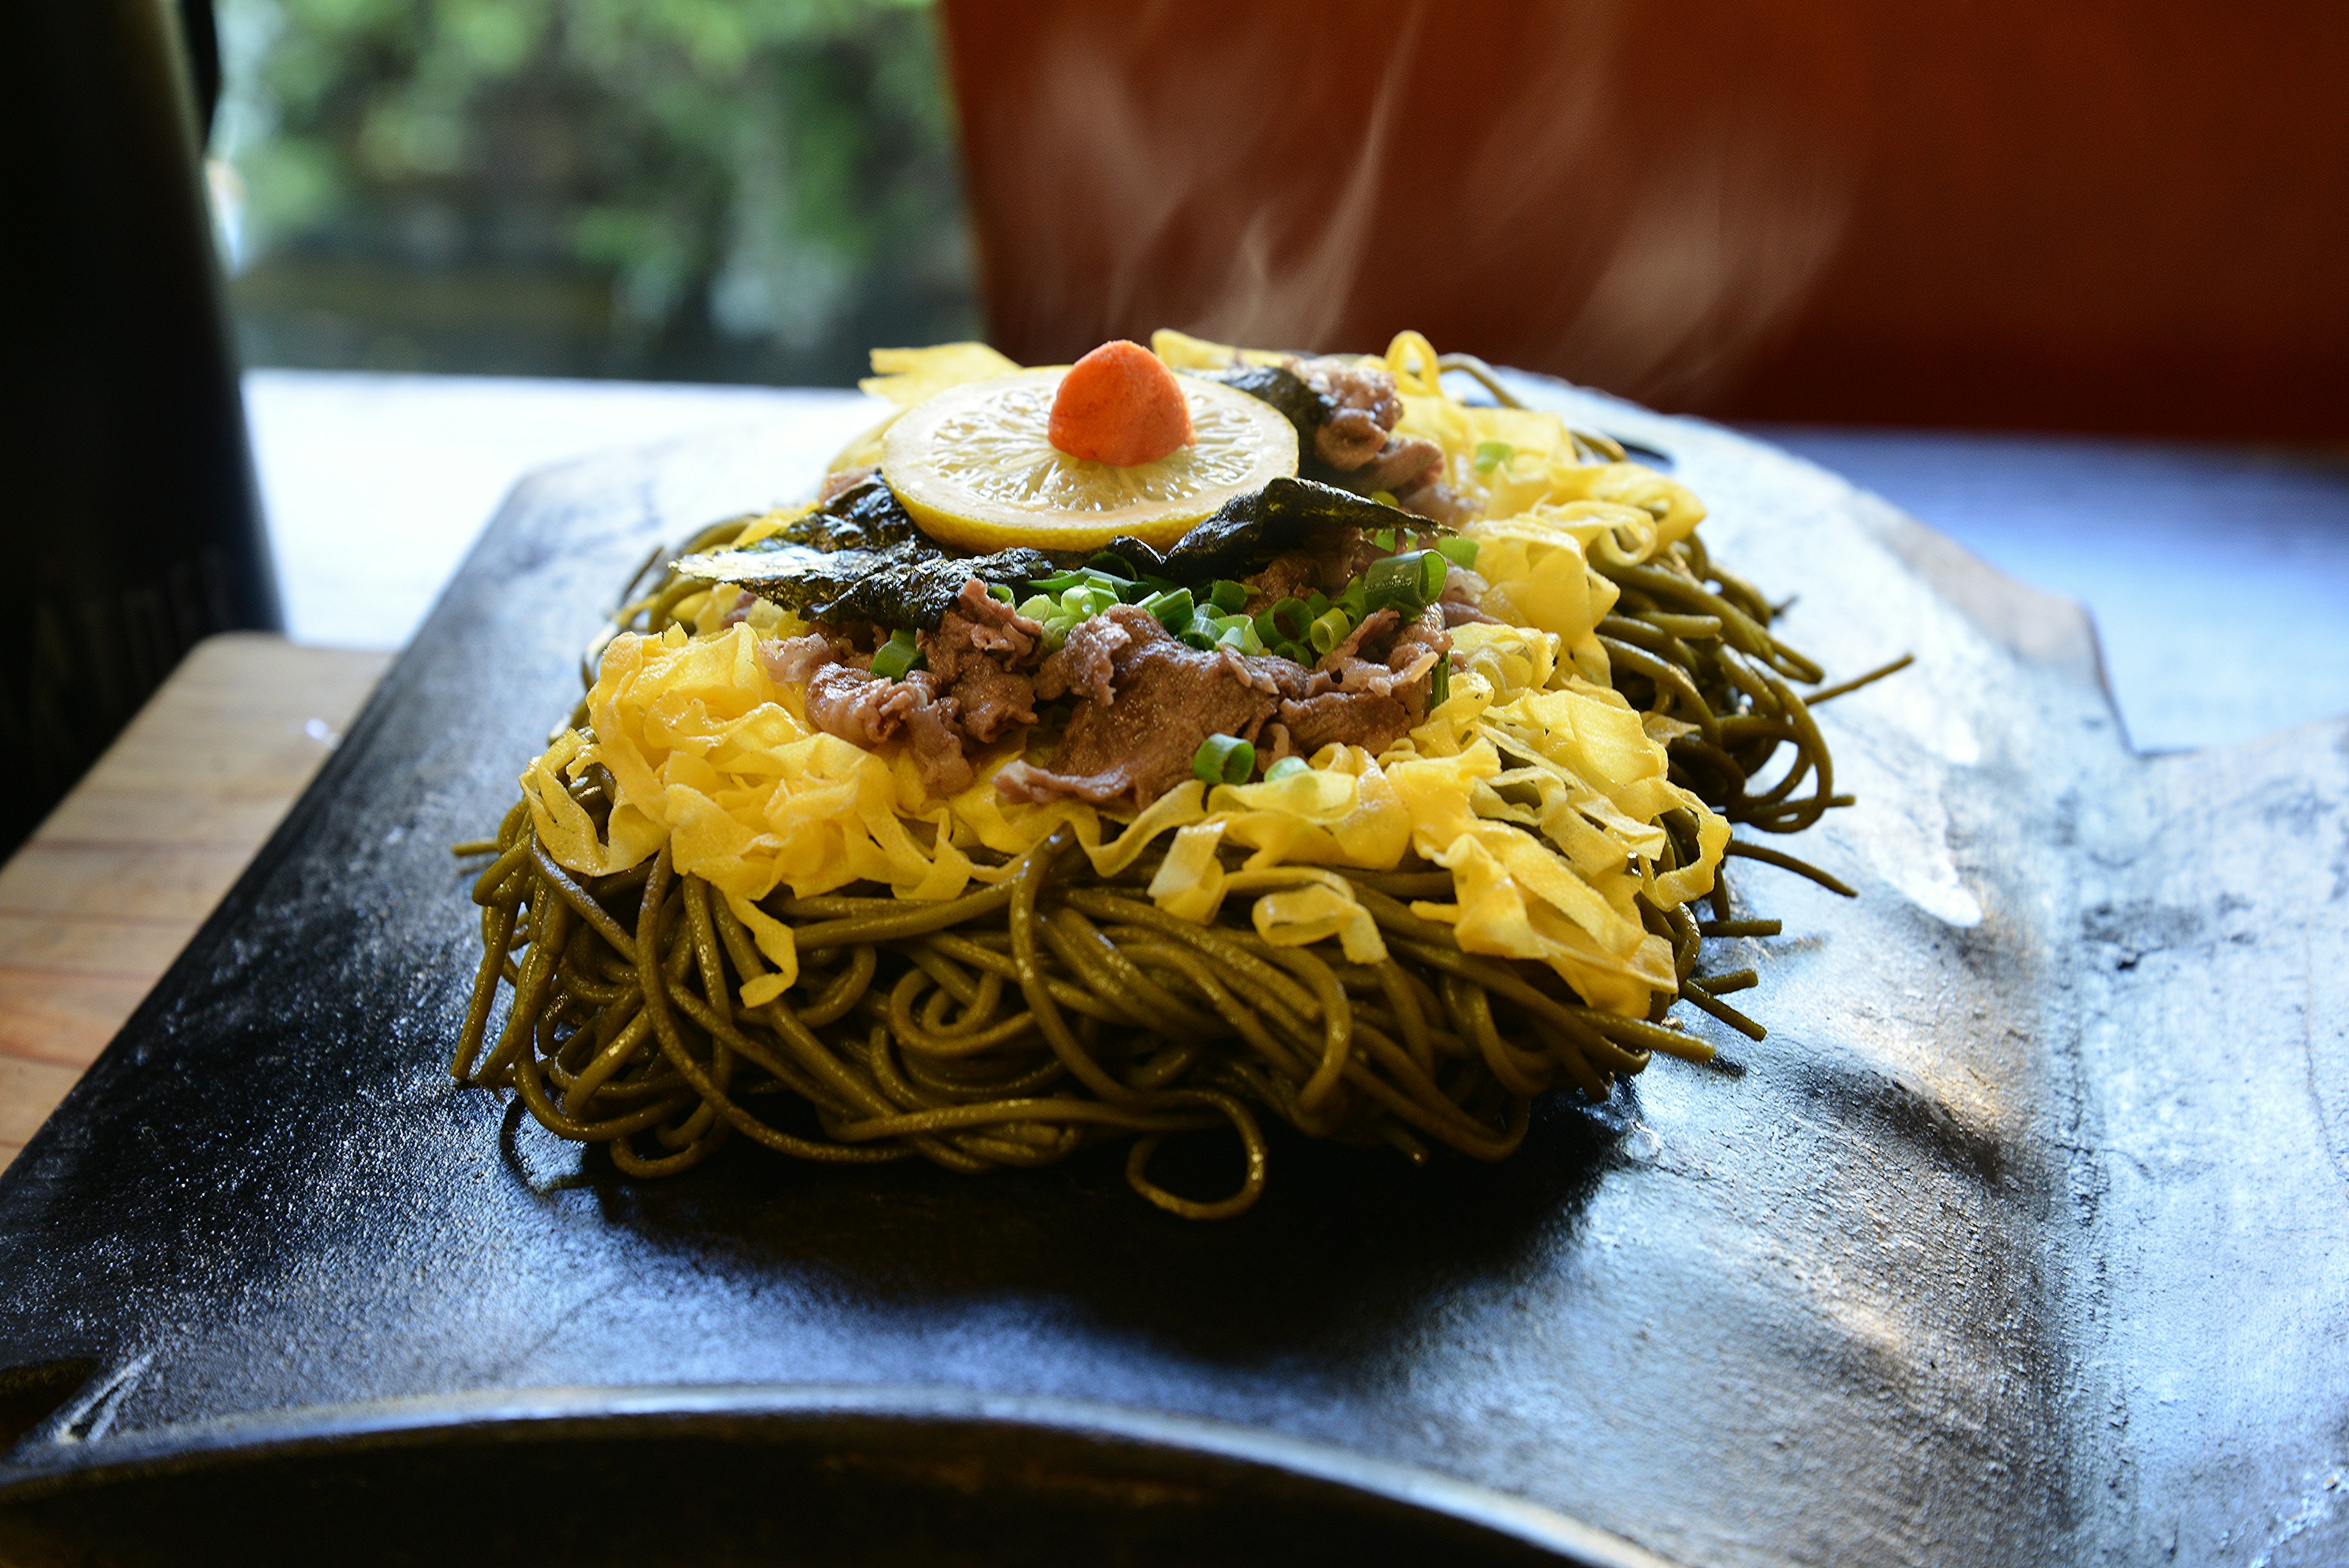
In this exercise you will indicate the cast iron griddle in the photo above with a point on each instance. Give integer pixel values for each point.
(2021, 1239)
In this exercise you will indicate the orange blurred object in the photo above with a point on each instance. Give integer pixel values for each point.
(2095, 216)
(1119, 405)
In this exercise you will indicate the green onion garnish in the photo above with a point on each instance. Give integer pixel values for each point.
(999, 593)
(1286, 768)
(1173, 609)
(1227, 595)
(1384, 498)
(1492, 454)
(1223, 759)
(1461, 553)
(1439, 687)
(1329, 630)
(898, 656)
(1405, 583)
(1283, 622)
(1110, 563)
(1086, 577)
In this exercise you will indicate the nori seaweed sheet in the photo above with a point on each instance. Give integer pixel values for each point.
(1250, 529)
(861, 558)
(1284, 389)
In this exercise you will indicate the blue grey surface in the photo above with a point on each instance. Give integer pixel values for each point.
(2219, 577)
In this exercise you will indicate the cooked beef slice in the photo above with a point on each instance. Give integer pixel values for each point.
(984, 654)
(974, 691)
(1085, 662)
(1291, 575)
(1164, 700)
(1403, 463)
(1364, 408)
(1372, 690)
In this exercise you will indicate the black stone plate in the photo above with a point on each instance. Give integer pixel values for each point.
(2024, 1238)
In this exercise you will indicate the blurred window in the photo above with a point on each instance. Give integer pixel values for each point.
(672, 189)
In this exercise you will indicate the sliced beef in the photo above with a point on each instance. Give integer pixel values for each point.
(1462, 589)
(1365, 409)
(1085, 663)
(984, 654)
(795, 660)
(1406, 464)
(1372, 690)
(860, 706)
(934, 732)
(1428, 497)
(1343, 554)
(990, 703)
(977, 687)
(1164, 699)
(980, 629)
(1372, 719)
(1291, 575)
(1460, 612)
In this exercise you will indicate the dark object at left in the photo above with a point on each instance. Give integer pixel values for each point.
(133, 528)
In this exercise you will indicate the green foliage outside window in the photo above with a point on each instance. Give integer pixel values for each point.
(669, 189)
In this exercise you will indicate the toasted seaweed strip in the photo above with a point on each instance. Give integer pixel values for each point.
(867, 515)
(910, 582)
(1282, 389)
(1251, 529)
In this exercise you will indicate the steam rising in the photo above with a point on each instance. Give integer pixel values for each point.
(1575, 204)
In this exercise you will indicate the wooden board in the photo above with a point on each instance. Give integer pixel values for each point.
(99, 901)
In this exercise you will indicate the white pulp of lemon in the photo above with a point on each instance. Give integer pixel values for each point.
(976, 467)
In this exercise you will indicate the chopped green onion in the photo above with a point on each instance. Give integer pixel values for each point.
(1461, 553)
(1492, 454)
(1405, 583)
(1283, 622)
(1317, 604)
(1295, 652)
(1236, 631)
(1329, 630)
(1384, 498)
(1085, 577)
(1088, 599)
(1286, 768)
(1223, 759)
(1384, 540)
(1227, 595)
(999, 593)
(901, 654)
(1110, 563)
(1035, 606)
(1173, 609)
(1198, 640)
(1439, 690)
(1149, 585)
(1355, 600)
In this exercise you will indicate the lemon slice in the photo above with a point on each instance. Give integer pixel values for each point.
(974, 467)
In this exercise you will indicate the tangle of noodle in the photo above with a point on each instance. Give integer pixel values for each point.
(1066, 990)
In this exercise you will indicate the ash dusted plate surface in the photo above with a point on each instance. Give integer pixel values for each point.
(2020, 1240)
